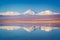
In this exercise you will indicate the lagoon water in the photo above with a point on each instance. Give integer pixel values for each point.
(37, 34)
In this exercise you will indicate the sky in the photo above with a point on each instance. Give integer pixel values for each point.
(23, 5)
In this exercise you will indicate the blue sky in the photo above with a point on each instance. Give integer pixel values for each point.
(23, 5)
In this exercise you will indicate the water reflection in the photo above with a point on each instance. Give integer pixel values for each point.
(29, 33)
(29, 29)
(47, 29)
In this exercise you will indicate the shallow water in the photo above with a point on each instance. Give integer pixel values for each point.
(37, 34)
(29, 31)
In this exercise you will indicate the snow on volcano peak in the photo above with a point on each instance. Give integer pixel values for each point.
(29, 12)
(10, 13)
(47, 12)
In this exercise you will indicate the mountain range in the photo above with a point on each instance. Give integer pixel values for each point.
(29, 12)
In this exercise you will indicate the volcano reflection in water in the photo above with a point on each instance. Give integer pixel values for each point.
(29, 33)
(29, 29)
(26, 29)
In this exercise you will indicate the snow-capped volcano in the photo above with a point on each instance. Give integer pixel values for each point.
(29, 12)
(47, 12)
(10, 13)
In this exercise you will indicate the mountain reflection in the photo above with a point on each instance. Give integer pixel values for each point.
(29, 29)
